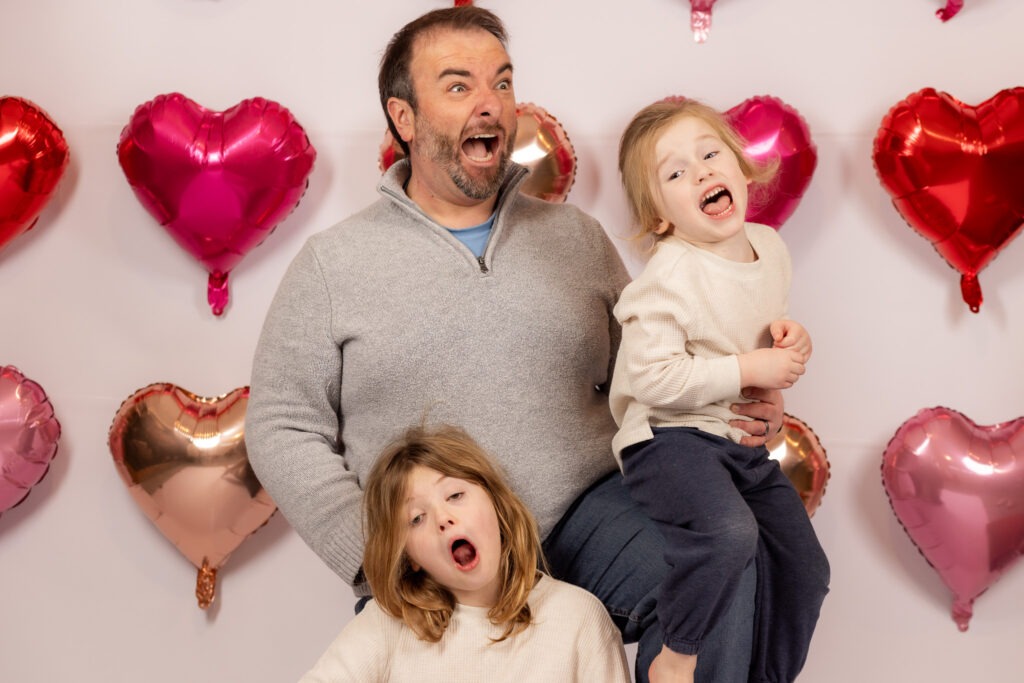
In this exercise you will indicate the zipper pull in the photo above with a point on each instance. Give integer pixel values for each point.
(483, 266)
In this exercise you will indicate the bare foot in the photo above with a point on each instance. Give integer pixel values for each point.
(672, 667)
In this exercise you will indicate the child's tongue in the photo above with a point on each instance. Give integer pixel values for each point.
(721, 203)
(463, 552)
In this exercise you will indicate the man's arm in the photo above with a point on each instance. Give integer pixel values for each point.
(292, 420)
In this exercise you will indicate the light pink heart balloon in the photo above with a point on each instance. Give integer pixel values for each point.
(218, 182)
(958, 490)
(28, 436)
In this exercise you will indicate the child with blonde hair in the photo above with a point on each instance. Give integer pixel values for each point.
(705, 320)
(452, 558)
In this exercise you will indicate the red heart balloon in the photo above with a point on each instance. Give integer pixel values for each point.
(28, 436)
(956, 175)
(950, 10)
(957, 489)
(184, 462)
(774, 131)
(541, 145)
(219, 182)
(33, 156)
(802, 459)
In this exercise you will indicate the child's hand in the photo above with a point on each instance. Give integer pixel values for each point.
(789, 334)
(773, 368)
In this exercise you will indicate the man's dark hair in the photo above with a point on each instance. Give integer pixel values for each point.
(394, 79)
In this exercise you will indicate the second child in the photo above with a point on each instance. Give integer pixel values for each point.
(705, 320)
(452, 555)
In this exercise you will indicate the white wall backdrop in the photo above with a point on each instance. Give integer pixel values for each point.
(97, 301)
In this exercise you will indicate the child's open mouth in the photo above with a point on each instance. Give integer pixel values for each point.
(716, 202)
(464, 554)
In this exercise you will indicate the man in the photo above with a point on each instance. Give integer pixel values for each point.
(396, 315)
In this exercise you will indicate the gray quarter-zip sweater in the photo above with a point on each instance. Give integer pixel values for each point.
(386, 318)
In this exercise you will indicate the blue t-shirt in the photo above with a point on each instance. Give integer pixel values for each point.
(475, 238)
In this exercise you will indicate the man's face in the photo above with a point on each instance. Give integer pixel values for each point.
(463, 130)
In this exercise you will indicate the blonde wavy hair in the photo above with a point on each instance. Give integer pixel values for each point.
(637, 154)
(414, 596)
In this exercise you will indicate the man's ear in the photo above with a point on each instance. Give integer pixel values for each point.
(402, 116)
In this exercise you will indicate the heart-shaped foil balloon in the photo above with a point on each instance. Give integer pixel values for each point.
(184, 462)
(774, 132)
(541, 145)
(802, 459)
(28, 436)
(33, 156)
(218, 182)
(956, 174)
(957, 488)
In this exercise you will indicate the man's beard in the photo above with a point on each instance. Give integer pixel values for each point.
(445, 152)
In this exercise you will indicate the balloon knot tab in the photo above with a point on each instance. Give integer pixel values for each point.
(970, 288)
(700, 23)
(950, 10)
(206, 584)
(217, 292)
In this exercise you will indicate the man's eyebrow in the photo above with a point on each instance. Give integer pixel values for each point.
(463, 73)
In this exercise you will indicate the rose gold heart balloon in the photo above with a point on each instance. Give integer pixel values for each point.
(957, 488)
(28, 436)
(802, 459)
(184, 461)
(541, 145)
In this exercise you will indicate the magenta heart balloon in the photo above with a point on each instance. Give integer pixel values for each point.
(775, 130)
(28, 436)
(219, 182)
(958, 490)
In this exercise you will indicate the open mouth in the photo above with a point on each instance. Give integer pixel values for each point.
(464, 553)
(716, 201)
(481, 147)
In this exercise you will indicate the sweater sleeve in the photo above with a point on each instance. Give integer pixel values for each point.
(655, 316)
(617, 277)
(292, 422)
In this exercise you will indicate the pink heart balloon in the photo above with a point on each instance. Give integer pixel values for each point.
(774, 131)
(957, 489)
(219, 182)
(28, 436)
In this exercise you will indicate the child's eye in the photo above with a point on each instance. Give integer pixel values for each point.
(415, 521)
(456, 496)
(675, 174)
(709, 155)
